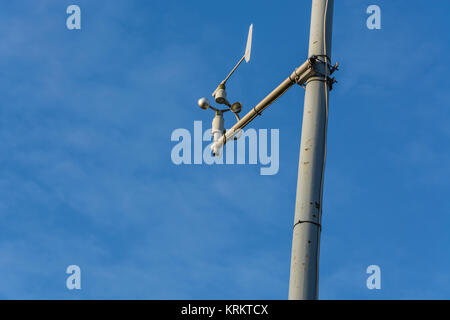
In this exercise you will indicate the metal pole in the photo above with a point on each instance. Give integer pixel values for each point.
(303, 284)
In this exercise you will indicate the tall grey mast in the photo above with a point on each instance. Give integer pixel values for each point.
(304, 277)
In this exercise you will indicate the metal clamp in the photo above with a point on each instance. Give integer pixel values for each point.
(316, 72)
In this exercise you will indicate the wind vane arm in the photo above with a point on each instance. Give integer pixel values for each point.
(232, 71)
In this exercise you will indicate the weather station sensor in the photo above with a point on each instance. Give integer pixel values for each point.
(220, 97)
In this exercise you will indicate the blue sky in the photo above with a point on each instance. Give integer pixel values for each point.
(86, 176)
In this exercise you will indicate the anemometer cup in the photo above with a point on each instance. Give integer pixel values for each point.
(236, 107)
(203, 103)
